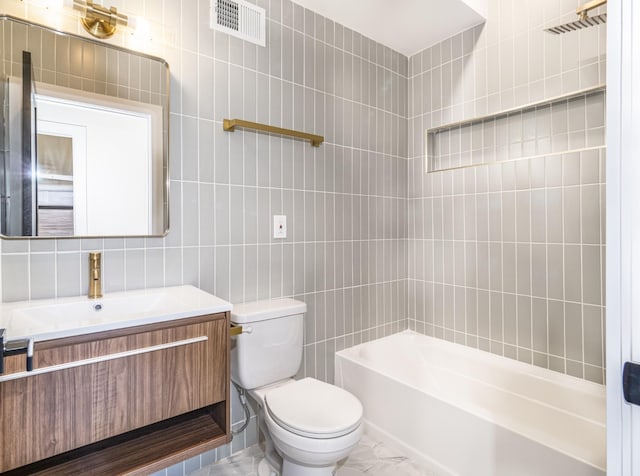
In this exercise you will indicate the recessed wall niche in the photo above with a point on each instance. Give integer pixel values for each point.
(568, 123)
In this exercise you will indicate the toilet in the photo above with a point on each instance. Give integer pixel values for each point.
(308, 425)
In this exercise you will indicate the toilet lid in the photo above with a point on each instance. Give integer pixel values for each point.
(314, 409)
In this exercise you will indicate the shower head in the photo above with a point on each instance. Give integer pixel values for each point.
(578, 24)
(583, 21)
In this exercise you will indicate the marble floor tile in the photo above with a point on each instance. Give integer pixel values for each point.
(370, 458)
(243, 463)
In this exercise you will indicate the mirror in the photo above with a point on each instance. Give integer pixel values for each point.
(84, 139)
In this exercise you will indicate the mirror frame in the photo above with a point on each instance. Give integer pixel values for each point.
(165, 129)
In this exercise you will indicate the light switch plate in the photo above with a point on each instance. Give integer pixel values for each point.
(279, 226)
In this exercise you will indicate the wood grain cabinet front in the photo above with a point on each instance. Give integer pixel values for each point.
(90, 388)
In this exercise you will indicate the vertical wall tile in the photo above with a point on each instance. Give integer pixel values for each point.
(134, 269)
(593, 333)
(42, 273)
(573, 329)
(592, 275)
(510, 320)
(113, 272)
(572, 273)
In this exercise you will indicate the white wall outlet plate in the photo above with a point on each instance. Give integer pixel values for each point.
(279, 226)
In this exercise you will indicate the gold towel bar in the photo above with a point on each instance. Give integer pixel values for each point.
(230, 125)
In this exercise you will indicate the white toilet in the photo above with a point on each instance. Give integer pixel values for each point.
(312, 424)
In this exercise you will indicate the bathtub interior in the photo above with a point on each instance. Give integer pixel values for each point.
(391, 355)
(559, 411)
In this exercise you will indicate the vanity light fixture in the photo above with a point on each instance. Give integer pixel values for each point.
(100, 21)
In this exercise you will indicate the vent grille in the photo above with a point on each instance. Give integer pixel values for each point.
(239, 18)
(227, 14)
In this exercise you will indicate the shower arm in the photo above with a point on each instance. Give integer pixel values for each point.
(582, 10)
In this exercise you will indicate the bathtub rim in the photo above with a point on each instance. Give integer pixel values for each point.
(541, 373)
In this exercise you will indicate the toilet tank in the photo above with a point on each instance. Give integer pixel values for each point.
(270, 347)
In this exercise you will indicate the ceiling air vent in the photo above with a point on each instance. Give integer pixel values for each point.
(239, 18)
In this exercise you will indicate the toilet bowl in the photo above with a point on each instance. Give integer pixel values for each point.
(312, 424)
(308, 425)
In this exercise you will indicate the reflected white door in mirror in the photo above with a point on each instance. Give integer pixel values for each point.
(111, 180)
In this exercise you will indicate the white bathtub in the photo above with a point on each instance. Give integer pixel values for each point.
(461, 411)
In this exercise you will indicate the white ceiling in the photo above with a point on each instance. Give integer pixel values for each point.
(407, 26)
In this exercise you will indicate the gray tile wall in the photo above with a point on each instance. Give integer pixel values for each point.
(72, 63)
(346, 251)
(507, 249)
(358, 212)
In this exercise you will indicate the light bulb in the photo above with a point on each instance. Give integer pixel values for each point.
(140, 26)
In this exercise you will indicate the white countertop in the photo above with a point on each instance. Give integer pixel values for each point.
(48, 319)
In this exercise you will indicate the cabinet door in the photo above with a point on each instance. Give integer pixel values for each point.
(14, 364)
(114, 384)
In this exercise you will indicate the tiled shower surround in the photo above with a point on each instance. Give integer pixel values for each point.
(359, 208)
(508, 254)
(509, 258)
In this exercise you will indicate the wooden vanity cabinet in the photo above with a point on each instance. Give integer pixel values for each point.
(128, 401)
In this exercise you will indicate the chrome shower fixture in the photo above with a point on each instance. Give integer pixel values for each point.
(583, 21)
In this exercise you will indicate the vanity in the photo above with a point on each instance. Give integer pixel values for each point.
(126, 384)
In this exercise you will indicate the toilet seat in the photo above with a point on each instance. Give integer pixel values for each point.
(314, 409)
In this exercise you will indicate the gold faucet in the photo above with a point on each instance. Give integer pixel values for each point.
(95, 275)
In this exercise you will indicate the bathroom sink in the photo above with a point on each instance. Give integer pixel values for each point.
(65, 317)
